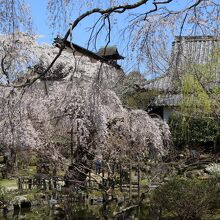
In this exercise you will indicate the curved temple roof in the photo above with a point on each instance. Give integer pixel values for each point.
(110, 52)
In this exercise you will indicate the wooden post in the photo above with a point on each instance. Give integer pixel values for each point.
(130, 180)
(89, 178)
(139, 178)
(44, 184)
(19, 184)
(130, 165)
(54, 184)
(49, 185)
(29, 183)
(71, 145)
(120, 171)
(39, 183)
(103, 174)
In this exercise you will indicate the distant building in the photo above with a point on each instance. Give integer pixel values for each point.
(108, 55)
(185, 50)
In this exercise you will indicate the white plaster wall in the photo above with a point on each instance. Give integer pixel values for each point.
(167, 111)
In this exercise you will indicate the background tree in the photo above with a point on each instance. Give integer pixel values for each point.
(14, 16)
(146, 27)
(199, 107)
(147, 30)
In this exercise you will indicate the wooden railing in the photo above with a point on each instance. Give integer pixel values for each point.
(44, 183)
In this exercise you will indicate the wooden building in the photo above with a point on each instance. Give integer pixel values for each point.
(186, 50)
(108, 55)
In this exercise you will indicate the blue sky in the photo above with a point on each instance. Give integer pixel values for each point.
(39, 13)
(80, 36)
(41, 24)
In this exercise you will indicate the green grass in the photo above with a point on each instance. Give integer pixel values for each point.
(95, 193)
(30, 171)
(215, 216)
(144, 182)
(8, 183)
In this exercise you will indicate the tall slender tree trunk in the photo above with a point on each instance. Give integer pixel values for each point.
(139, 178)
(130, 180)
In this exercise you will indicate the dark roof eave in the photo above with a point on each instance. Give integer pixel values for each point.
(116, 57)
(58, 42)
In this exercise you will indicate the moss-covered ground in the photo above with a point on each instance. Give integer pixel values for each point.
(8, 183)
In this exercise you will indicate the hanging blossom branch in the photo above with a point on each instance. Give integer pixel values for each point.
(116, 9)
(103, 12)
(106, 12)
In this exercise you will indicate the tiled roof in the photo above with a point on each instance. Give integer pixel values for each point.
(59, 41)
(193, 49)
(109, 51)
(162, 83)
(168, 100)
(185, 50)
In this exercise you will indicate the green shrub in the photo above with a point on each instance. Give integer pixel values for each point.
(33, 160)
(138, 99)
(3, 194)
(193, 130)
(187, 199)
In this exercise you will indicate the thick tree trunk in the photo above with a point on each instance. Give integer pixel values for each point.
(10, 162)
(79, 168)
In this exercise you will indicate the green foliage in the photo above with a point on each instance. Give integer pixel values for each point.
(195, 98)
(2, 147)
(8, 183)
(133, 96)
(193, 130)
(199, 88)
(200, 105)
(5, 195)
(28, 171)
(33, 160)
(139, 99)
(187, 199)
